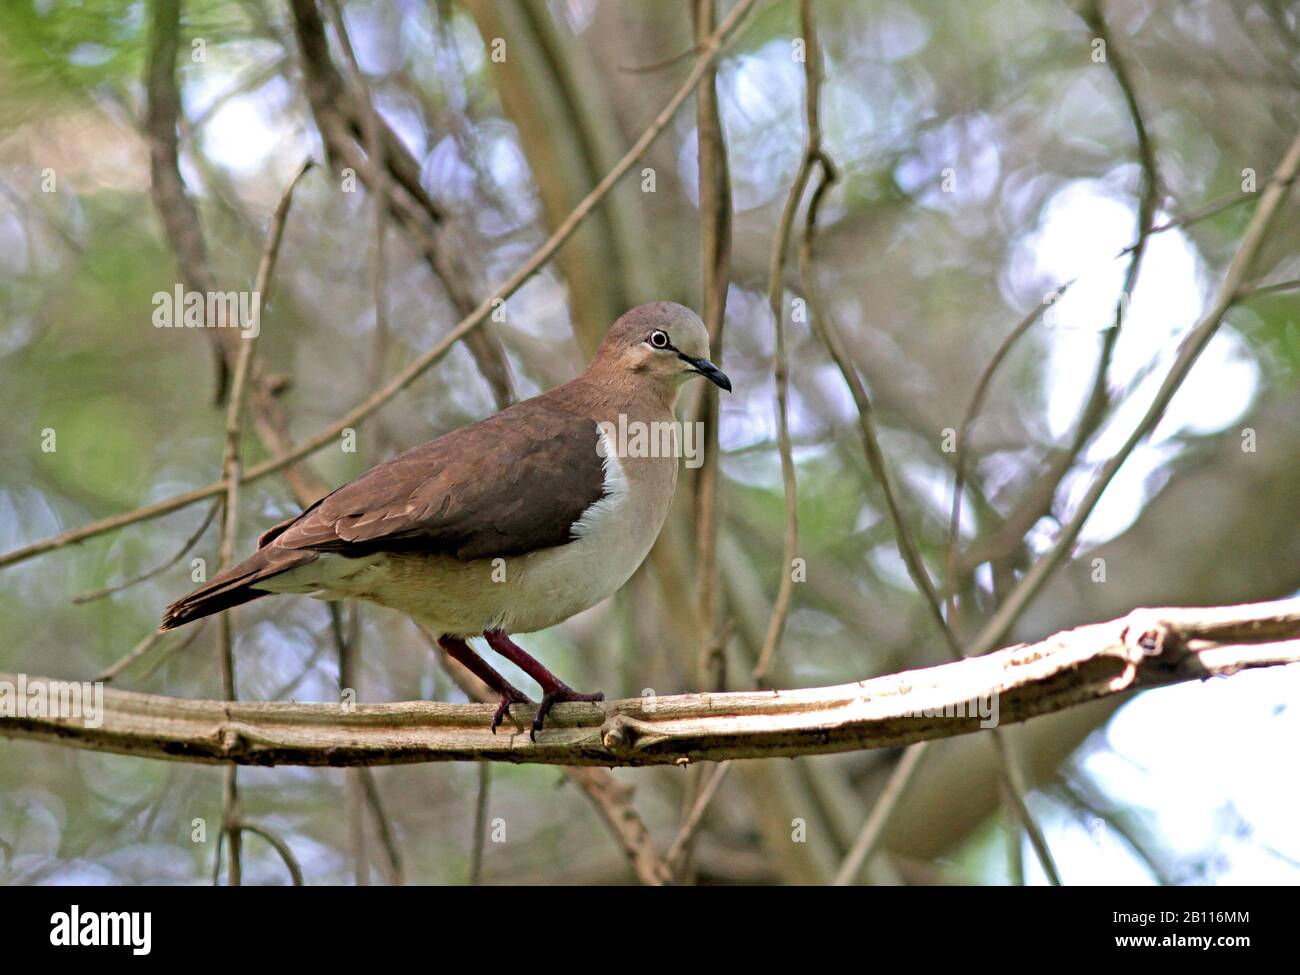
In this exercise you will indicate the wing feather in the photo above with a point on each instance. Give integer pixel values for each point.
(513, 483)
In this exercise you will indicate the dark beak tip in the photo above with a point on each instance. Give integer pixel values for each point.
(712, 373)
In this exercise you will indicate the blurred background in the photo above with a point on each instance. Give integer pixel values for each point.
(987, 157)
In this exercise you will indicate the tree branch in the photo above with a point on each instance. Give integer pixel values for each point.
(349, 122)
(179, 215)
(812, 157)
(1147, 648)
(715, 246)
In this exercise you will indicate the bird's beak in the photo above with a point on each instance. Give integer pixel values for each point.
(709, 371)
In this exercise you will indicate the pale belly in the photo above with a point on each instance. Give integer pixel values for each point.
(517, 594)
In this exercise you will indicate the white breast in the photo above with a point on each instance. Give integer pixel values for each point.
(611, 540)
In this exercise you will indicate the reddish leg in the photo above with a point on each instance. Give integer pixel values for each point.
(461, 652)
(554, 690)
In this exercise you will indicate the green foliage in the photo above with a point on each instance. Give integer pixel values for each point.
(52, 52)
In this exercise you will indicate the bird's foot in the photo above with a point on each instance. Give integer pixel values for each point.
(558, 694)
(509, 696)
(460, 651)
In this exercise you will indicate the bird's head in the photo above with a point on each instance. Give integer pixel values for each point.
(661, 341)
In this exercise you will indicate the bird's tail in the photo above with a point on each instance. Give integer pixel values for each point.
(234, 586)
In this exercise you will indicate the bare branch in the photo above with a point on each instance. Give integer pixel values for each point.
(393, 859)
(874, 827)
(1255, 290)
(180, 217)
(1147, 648)
(231, 830)
(681, 845)
(134, 654)
(1016, 790)
(834, 342)
(348, 121)
(715, 246)
(480, 824)
(279, 845)
(376, 155)
(812, 155)
(179, 647)
(93, 594)
(230, 468)
(715, 261)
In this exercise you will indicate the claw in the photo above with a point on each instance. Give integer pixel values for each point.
(503, 707)
(558, 695)
(502, 711)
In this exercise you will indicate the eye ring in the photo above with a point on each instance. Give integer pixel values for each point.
(658, 339)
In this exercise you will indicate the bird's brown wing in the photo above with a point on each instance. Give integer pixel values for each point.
(510, 484)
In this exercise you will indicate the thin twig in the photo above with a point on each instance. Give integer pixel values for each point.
(1016, 790)
(830, 335)
(715, 244)
(93, 594)
(231, 830)
(812, 155)
(134, 654)
(480, 824)
(177, 211)
(230, 471)
(654, 66)
(309, 665)
(686, 833)
(343, 110)
(865, 843)
(393, 859)
(973, 409)
(279, 845)
(715, 261)
(1211, 209)
(216, 858)
(1255, 290)
(380, 191)
(181, 647)
(1095, 405)
(345, 638)
(1098, 400)
(1080, 795)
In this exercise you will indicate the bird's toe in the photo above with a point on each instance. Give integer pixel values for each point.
(559, 695)
(502, 712)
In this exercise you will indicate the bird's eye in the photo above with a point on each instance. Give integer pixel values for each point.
(659, 339)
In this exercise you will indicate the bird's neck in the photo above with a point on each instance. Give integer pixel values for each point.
(606, 397)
